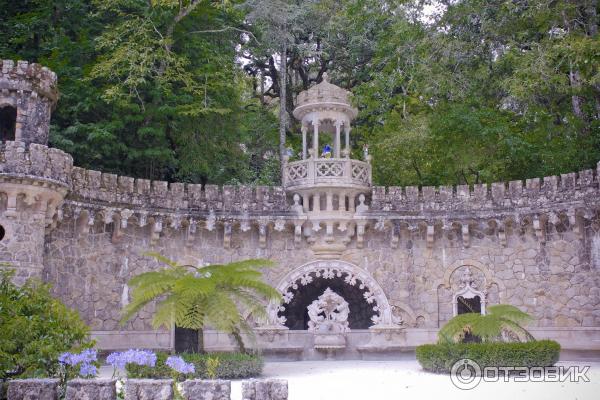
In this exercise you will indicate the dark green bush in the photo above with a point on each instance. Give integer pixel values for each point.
(231, 366)
(441, 357)
(35, 328)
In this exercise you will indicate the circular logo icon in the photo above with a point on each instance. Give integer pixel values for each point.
(465, 374)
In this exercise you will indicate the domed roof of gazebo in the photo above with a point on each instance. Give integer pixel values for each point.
(324, 96)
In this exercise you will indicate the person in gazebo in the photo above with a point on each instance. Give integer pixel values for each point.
(326, 151)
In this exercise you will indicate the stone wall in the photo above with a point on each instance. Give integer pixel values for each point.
(534, 244)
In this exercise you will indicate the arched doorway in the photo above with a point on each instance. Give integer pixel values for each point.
(296, 312)
(368, 303)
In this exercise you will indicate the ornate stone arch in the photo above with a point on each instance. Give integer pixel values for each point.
(330, 269)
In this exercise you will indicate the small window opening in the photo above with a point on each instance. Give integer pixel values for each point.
(8, 123)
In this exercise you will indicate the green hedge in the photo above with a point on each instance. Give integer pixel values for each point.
(441, 357)
(231, 366)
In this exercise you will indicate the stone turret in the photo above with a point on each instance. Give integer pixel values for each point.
(331, 186)
(34, 179)
(28, 93)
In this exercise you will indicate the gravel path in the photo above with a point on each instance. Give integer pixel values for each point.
(396, 380)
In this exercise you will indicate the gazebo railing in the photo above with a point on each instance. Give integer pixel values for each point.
(327, 171)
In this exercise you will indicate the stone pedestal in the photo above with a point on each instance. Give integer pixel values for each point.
(267, 389)
(198, 389)
(149, 389)
(33, 389)
(91, 389)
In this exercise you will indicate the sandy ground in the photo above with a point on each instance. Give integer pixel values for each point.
(394, 380)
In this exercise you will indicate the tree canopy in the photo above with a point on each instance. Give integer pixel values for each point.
(448, 91)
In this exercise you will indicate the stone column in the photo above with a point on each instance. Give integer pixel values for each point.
(304, 150)
(316, 138)
(338, 142)
(347, 132)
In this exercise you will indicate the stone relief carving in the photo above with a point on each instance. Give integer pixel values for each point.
(328, 313)
(468, 289)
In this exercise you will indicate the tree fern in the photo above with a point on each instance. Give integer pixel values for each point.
(501, 323)
(193, 297)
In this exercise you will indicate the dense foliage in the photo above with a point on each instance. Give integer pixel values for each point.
(502, 322)
(222, 296)
(226, 366)
(440, 357)
(36, 329)
(449, 91)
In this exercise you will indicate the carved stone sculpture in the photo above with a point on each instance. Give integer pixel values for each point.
(329, 313)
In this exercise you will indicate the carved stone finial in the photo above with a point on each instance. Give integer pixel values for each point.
(325, 77)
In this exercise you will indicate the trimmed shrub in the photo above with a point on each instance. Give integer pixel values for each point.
(440, 357)
(229, 366)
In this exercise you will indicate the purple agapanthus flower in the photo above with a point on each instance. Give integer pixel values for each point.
(132, 356)
(86, 356)
(178, 364)
(87, 370)
(84, 360)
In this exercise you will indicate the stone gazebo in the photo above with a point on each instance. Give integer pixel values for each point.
(332, 189)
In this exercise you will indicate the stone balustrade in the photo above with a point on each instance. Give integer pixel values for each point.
(327, 172)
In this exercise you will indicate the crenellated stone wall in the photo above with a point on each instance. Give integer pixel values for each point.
(534, 244)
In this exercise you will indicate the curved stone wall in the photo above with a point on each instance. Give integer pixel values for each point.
(534, 244)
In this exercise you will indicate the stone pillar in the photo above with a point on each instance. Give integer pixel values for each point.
(198, 389)
(316, 202)
(149, 389)
(347, 132)
(267, 389)
(316, 138)
(304, 149)
(91, 389)
(338, 142)
(39, 389)
(329, 201)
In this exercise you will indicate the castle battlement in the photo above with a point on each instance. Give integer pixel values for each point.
(537, 192)
(28, 77)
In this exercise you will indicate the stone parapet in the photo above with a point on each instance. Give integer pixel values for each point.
(100, 187)
(17, 160)
(532, 193)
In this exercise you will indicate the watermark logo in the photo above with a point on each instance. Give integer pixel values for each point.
(466, 374)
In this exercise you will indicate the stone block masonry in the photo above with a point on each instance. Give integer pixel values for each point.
(91, 389)
(149, 389)
(33, 389)
(265, 389)
(197, 389)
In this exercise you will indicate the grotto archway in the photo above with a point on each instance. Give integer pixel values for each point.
(310, 280)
